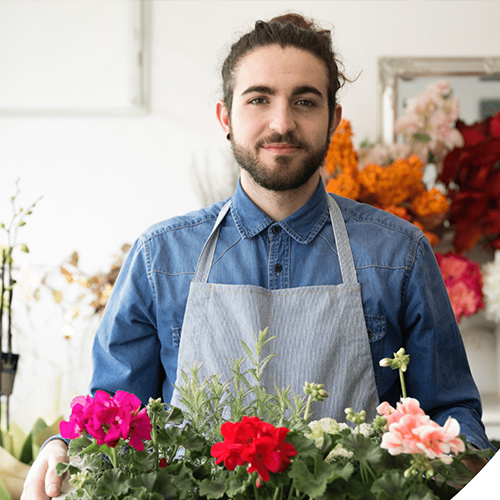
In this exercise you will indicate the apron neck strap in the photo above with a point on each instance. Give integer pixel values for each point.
(207, 254)
(344, 252)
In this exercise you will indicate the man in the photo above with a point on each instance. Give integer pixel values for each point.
(342, 285)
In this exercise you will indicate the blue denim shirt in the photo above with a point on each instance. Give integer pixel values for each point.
(404, 298)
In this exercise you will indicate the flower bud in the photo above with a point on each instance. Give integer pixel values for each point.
(316, 391)
(355, 418)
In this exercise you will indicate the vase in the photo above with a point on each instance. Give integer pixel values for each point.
(8, 374)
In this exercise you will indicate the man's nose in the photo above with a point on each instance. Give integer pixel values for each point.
(283, 119)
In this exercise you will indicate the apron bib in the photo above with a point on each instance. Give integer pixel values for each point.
(320, 331)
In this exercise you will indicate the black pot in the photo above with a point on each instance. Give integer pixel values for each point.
(9, 368)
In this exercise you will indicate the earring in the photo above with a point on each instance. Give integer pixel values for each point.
(228, 137)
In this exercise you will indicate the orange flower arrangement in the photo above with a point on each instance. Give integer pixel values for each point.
(391, 185)
(341, 154)
(397, 188)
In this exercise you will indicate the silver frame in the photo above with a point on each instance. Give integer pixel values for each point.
(390, 69)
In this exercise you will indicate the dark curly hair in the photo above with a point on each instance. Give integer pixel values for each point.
(288, 30)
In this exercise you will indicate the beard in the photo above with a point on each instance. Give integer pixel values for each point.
(281, 176)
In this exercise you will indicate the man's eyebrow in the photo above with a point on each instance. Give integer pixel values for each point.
(306, 89)
(263, 89)
(260, 89)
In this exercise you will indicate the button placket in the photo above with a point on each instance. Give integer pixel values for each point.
(276, 257)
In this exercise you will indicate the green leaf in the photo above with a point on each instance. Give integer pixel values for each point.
(364, 448)
(175, 416)
(391, 486)
(422, 492)
(305, 481)
(114, 483)
(4, 492)
(24, 248)
(304, 446)
(213, 488)
(421, 137)
(26, 455)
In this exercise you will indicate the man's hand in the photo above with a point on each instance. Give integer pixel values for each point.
(42, 481)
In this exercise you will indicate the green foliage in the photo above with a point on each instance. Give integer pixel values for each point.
(333, 460)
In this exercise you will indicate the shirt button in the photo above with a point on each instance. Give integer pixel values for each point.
(278, 268)
(276, 229)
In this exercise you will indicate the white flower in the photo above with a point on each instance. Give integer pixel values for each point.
(366, 429)
(491, 288)
(319, 427)
(28, 281)
(337, 452)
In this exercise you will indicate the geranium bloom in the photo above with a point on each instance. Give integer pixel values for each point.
(410, 430)
(108, 419)
(407, 406)
(258, 444)
(436, 441)
(81, 412)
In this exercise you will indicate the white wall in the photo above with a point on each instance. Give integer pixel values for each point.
(105, 179)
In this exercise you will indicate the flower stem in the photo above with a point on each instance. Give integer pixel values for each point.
(255, 491)
(308, 408)
(154, 441)
(113, 456)
(402, 380)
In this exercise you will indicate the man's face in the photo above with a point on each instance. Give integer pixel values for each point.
(279, 119)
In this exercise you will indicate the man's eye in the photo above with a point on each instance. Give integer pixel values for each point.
(258, 100)
(306, 102)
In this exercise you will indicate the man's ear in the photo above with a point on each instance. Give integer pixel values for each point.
(222, 115)
(336, 119)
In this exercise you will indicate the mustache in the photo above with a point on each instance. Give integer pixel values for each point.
(277, 138)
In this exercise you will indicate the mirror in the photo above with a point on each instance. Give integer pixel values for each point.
(475, 82)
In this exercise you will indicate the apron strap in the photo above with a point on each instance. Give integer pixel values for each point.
(346, 260)
(344, 251)
(207, 254)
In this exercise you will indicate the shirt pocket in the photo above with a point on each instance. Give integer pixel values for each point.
(376, 329)
(176, 336)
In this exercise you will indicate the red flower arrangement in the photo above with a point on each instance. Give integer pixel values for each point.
(472, 175)
(463, 281)
(254, 443)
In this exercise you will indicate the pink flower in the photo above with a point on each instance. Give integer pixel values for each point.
(464, 283)
(400, 438)
(436, 441)
(109, 419)
(82, 409)
(410, 430)
(407, 406)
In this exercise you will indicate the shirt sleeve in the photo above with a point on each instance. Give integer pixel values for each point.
(126, 349)
(439, 375)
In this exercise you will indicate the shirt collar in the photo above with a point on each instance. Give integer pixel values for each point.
(303, 225)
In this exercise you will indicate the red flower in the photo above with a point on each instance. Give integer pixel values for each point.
(163, 463)
(472, 174)
(258, 444)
